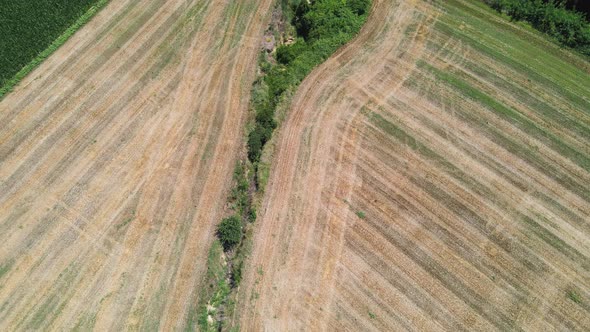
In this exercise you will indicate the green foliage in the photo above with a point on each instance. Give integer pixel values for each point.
(239, 194)
(215, 270)
(358, 7)
(5, 267)
(230, 232)
(287, 53)
(256, 140)
(252, 214)
(361, 214)
(264, 65)
(29, 27)
(237, 272)
(222, 290)
(326, 18)
(568, 27)
(330, 26)
(572, 295)
(322, 26)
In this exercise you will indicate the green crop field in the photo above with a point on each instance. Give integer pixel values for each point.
(29, 27)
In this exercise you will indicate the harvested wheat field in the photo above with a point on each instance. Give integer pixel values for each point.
(433, 175)
(114, 157)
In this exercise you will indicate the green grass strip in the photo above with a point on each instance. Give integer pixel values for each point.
(538, 58)
(510, 115)
(10, 84)
(5, 267)
(215, 291)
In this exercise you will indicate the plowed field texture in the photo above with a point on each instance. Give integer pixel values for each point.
(116, 156)
(433, 175)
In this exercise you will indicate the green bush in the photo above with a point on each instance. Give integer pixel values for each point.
(230, 232)
(239, 194)
(359, 7)
(287, 53)
(237, 273)
(256, 140)
(252, 214)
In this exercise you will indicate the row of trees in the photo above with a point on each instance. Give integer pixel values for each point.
(568, 27)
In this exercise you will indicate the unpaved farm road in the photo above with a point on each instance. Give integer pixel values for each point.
(429, 176)
(116, 155)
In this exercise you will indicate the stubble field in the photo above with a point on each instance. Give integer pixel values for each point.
(116, 156)
(432, 175)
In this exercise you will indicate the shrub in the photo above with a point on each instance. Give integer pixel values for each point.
(287, 53)
(237, 273)
(256, 140)
(359, 7)
(252, 214)
(230, 232)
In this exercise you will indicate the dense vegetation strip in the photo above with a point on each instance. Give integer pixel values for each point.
(568, 27)
(320, 28)
(32, 30)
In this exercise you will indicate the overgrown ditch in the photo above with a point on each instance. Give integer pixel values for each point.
(302, 34)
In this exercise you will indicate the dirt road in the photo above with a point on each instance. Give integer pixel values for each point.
(432, 175)
(116, 156)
